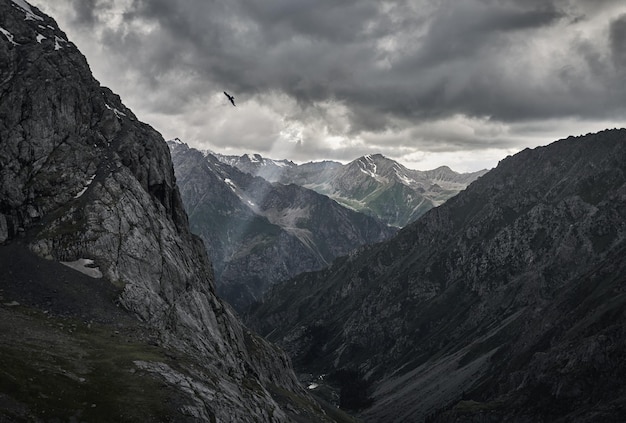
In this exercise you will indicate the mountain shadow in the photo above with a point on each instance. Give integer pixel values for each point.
(506, 303)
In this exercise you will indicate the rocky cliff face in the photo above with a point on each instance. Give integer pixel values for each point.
(258, 233)
(506, 303)
(82, 181)
(371, 184)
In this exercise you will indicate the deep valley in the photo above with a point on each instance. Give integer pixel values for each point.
(145, 280)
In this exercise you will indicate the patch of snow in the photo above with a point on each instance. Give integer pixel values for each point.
(57, 42)
(12, 304)
(313, 386)
(8, 35)
(230, 184)
(371, 162)
(368, 167)
(30, 15)
(404, 179)
(365, 171)
(368, 172)
(40, 37)
(252, 158)
(118, 114)
(281, 163)
(82, 191)
(84, 266)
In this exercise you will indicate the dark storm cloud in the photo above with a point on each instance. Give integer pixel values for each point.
(337, 22)
(618, 42)
(477, 59)
(471, 27)
(388, 63)
(458, 57)
(85, 12)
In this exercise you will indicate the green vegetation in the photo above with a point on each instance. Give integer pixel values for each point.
(65, 369)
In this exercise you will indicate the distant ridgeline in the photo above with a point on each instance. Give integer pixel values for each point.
(506, 303)
(372, 184)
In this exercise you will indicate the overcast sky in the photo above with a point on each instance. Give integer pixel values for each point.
(426, 82)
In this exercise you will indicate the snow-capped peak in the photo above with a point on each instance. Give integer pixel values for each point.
(30, 15)
(253, 158)
(368, 164)
(119, 114)
(8, 35)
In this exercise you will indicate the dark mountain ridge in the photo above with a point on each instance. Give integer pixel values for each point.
(506, 303)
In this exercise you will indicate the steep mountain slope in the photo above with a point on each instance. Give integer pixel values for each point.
(506, 303)
(259, 233)
(371, 184)
(131, 327)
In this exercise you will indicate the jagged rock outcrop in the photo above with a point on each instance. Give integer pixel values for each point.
(372, 184)
(506, 303)
(258, 233)
(82, 178)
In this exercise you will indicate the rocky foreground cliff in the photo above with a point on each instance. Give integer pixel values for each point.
(108, 306)
(506, 303)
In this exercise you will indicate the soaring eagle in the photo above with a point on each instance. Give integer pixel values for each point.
(230, 97)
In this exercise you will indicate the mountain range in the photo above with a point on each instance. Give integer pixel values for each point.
(505, 303)
(258, 233)
(372, 184)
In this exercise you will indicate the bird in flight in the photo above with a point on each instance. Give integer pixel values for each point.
(230, 97)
